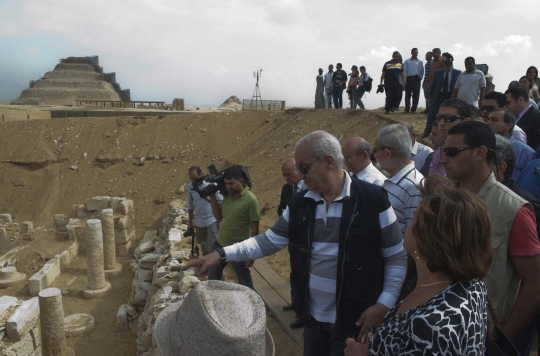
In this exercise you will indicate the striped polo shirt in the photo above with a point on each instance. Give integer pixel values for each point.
(404, 195)
(392, 72)
(427, 67)
(324, 253)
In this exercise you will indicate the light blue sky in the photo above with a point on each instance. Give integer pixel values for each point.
(205, 51)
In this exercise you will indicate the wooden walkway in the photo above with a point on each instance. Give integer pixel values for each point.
(276, 293)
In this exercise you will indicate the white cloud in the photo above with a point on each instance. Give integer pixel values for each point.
(510, 44)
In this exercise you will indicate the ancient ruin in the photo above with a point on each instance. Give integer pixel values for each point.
(73, 78)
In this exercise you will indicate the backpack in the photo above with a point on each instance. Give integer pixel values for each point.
(368, 85)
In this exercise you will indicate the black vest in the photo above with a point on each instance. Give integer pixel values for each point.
(360, 265)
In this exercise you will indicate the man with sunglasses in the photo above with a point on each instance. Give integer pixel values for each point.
(496, 100)
(347, 256)
(502, 122)
(451, 113)
(357, 154)
(200, 211)
(513, 280)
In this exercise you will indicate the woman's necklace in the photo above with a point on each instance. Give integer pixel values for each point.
(432, 284)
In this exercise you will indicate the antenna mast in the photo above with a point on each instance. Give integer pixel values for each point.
(257, 92)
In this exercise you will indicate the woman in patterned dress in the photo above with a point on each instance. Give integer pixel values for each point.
(446, 314)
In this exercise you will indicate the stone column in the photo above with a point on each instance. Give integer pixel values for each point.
(51, 313)
(97, 285)
(109, 257)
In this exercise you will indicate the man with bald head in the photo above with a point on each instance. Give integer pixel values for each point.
(357, 155)
(294, 184)
(344, 280)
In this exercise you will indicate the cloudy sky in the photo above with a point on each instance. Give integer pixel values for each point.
(204, 51)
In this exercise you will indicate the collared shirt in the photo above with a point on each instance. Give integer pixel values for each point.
(436, 167)
(522, 113)
(519, 135)
(404, 195)
(449, 74)
(392, 72)
(529, 179)
(324, 253)
(328, 78)
(427, 69)
(524, 154)
(469, 85)
(435, 64)
(413, 67)
(371, 175)
(298, 187)
(202, 209)
(419, 154)
(238, 213)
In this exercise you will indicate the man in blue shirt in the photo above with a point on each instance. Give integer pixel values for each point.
(414, 72)
(530, 178)
(200, 210)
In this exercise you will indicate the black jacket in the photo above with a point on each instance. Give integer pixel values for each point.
(286, 196)
(530, 123)
(360, 274)
(437, 83)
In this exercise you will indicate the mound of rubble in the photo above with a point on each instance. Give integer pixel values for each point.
(231, 104)
(73, 78)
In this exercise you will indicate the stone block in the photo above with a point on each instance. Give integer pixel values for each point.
(73, 211)
(76, 229)
(162, 271)
(23, 320)
(123, 250)
(6, 302)
(174, 239)
(46, 276)
(25, 347)
(5, 219)
(15, 227)
(82, 212)
(149, 236)
(126, 208)
(122, 222)
(122, 319)
(97, 203)
(148, 261)
(37, 283)
(60, 222)
(36, 337)
(27, 227)
(65, 259)
(52, 269)
(140, 294)
(121, 237)
(144, 275)
(187, 284)
(131, 310)
(146, 247)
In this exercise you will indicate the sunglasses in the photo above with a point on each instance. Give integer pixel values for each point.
(449, 117)
(304, 169)
(454, 151)
(375, 149)
(488, 108)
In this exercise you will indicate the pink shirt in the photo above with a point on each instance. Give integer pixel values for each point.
(436, 167)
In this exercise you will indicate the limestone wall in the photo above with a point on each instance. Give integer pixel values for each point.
(19, 327)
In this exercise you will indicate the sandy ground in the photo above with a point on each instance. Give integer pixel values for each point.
(64, 161)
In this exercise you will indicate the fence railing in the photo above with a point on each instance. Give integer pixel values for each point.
(271, 105)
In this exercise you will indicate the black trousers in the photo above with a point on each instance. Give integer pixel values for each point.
(393, 93)
(412, 88)
(434, 110)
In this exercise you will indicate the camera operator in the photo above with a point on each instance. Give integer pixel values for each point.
(199, 208)
(239, 220)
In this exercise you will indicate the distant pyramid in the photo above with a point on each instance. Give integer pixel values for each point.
(232, 103)
(74, 78)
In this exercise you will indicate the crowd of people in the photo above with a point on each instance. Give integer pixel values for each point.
(407, 250)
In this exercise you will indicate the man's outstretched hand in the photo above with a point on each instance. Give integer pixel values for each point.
(203, 264)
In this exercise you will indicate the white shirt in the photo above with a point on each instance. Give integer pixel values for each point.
(469, 85)
(403, 194)
(519, 135)
(328, 78)
(371, 175)
(299, 187)
(419, 154)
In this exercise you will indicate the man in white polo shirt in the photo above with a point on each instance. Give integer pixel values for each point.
(470, 87)
(419, 152)
(393, 152)
(357, 155)
(328, 85)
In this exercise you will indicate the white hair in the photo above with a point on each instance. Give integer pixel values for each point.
(397, 137)
(322, 143)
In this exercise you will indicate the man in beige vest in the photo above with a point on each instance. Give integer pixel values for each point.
(468, 152)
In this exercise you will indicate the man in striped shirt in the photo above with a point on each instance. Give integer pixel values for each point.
(346, 249)
(427, 66)
(392, 149)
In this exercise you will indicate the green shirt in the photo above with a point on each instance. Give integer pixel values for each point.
(238, 213)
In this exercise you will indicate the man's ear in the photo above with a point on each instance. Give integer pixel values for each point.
(501, 167)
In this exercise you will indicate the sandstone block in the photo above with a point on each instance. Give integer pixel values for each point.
(5, 219)
(174, 239)
(82, 212)
(23, 320)
(6, 302)
(75, 229)
(37, 283)
(121, 237)
(148, 261)
(27, 227)
(122, 222)
(25, 347)
(97, 203)
(146, 247)
(123, 250)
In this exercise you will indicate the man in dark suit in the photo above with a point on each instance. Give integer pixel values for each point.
(527, 117)
(440, 89)
(293, 185)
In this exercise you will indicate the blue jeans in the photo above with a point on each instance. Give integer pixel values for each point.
(328, 97)
(242, 273)
(338, 97)
(326, 339)
(359, 94)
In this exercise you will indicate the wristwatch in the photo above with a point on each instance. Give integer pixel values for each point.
(222, 254)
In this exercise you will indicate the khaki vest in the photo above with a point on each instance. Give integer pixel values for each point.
(502, 281)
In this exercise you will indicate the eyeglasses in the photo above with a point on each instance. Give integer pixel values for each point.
(449, 117)
(351, 158)
(304, 169)
(488, 108)
(375, 149)
(454, 151)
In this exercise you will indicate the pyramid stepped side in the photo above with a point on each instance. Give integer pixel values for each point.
(69, 82)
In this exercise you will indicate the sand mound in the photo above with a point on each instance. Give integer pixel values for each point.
(231, 104)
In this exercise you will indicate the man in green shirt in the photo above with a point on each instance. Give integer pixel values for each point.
(238, 219)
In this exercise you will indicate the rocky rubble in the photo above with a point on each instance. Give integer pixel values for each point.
(158, 280)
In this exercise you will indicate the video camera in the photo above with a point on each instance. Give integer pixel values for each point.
(216, 177)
